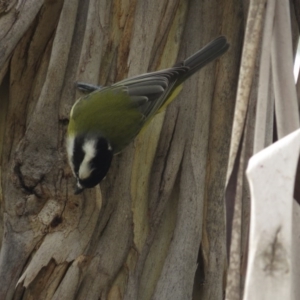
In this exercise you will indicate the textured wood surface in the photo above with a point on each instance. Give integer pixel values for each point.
(159, 217)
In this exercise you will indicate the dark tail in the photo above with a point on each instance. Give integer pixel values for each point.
(208, 53)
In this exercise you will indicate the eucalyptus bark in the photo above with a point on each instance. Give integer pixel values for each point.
(158, 218)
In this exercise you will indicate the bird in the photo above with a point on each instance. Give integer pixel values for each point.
(105, 120)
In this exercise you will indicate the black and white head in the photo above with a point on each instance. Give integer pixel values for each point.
(90, 159)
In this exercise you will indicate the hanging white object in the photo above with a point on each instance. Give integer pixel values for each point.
(273, 270)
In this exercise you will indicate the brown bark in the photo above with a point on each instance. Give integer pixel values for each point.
(140, 236)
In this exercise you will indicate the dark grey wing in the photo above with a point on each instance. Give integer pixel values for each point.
(88, 88)
(150, 91)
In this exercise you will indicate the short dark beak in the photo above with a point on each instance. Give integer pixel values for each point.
(78, 190)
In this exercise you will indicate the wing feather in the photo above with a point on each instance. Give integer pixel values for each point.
(150, 91)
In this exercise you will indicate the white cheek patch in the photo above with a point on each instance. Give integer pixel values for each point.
(89, 148)
(70, 147)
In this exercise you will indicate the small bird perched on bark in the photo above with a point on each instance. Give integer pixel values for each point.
(106, 120)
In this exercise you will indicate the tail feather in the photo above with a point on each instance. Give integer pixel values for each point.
(208, 53)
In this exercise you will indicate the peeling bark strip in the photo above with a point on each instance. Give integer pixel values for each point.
(269, 126)
(140, 236)
(238, 157)
(14, 22)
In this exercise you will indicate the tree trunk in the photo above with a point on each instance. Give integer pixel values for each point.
(156, 228)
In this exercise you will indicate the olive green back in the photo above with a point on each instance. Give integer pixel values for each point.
(108, 112)
(119, 112)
